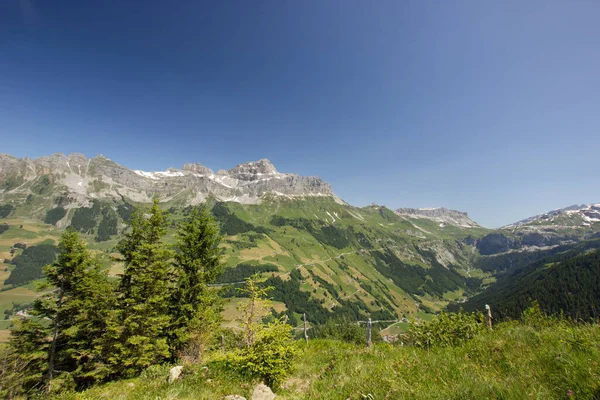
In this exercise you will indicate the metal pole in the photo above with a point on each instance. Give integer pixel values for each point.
(489, 315)
(369, 326)
(305, 329)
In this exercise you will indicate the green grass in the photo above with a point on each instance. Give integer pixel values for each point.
(514, 361)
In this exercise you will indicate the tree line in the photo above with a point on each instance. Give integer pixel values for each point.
(86, 328)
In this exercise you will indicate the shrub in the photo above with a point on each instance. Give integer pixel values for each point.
(271, 357)
(342, 329)
(447, 329)
(535, 317)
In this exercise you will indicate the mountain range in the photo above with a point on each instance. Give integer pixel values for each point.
(324, 256)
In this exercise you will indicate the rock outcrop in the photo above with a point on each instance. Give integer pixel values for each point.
(175, 373)
(442, 215)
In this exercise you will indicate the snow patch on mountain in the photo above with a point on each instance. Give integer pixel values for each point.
(575, 215)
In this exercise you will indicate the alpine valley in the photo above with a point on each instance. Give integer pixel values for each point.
(324, 257)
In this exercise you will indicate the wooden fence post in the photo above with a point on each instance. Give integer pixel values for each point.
(489, 315)
(305, 329)
(369, 326)
(223, 342)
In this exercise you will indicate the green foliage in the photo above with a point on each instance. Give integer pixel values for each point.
(268, 350)
(84, 218)
(230, 223)
(15, 307)
(271, 356)
(242, 271)
(54, 215)
(5, 210)
(198, 262)
(42, 185)
(3, 228)
(342, 329)
(125, 211)
(92, 330)
(436, 280)
(137, 329)
(298, 301)
(108, 225)
(12, 182)
(26, 359)
(28, 265)
(563, 283)
(76, 310)
(535, 317)
(447, 329)
(514, 361)
(253, 311)
(327, 234)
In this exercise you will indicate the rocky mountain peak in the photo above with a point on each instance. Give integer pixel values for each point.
(197, 168)
(575, 215)
(260, 167)
(440, 214)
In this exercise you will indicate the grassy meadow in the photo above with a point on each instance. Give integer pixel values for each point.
(548, 359)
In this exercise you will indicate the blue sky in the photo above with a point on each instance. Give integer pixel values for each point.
(487, 107)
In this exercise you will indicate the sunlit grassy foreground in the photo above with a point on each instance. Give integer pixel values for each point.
(547, 360)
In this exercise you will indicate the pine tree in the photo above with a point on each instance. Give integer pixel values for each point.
(195, 307)
(76, 309)
(26, 359)
(139, 328)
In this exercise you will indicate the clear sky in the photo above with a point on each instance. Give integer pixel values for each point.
(490, 107)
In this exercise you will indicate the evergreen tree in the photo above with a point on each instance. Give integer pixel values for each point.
(139, 328)
(26, 359)
(195, 308)
(75, 309)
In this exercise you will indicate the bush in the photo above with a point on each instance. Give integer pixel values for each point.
(535, 317)
(447, 329)
(342, 329)
(271, 357)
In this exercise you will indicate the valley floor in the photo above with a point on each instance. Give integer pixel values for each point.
(543, 360)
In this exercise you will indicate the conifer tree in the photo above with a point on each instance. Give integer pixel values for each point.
(26, 359)
(75, 308)
(195, 308)
(139, 329)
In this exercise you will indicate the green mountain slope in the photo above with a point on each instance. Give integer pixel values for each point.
(564, 281)
(323, 256)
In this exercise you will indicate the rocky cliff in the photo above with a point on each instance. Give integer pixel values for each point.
(442, 215)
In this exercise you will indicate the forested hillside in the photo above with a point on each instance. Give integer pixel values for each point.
(564, 283)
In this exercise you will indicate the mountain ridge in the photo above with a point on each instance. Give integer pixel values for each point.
(100, 177)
